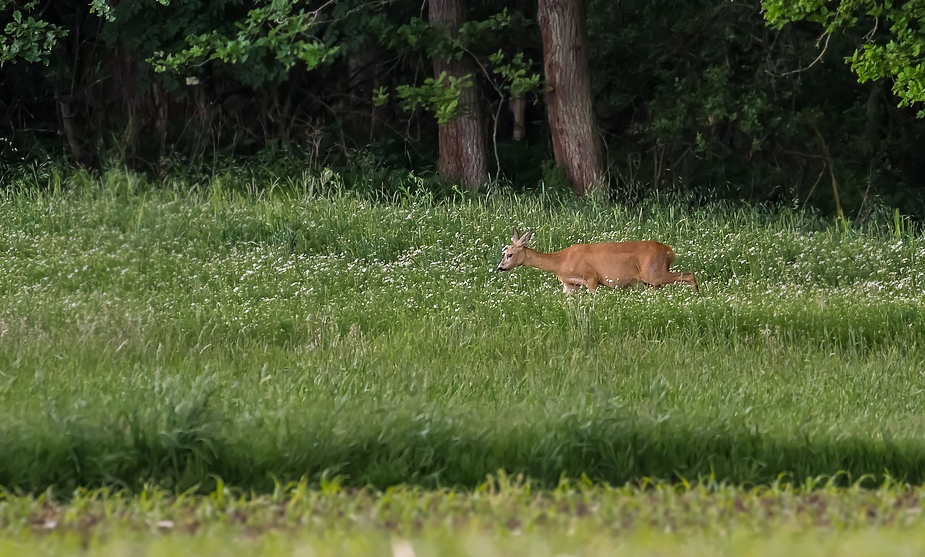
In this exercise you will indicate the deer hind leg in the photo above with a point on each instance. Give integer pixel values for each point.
(591, 283)
(629, 283)
(668, 277)
(688, 277)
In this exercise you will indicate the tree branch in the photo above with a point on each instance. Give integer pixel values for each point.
(827, 36)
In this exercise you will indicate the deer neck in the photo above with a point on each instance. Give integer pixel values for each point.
(542, 261)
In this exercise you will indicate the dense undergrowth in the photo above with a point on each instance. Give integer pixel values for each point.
(155, 334)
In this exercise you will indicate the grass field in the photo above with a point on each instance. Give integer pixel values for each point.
(157, 345)
(154, 336)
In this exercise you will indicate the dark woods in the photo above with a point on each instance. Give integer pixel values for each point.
(700, 98)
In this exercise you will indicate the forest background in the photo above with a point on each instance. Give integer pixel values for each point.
(795, 102)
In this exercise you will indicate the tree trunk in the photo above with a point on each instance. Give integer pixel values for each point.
(69, 130)
(363, 77)
(518, 104)
(575, 140)
(462, 141)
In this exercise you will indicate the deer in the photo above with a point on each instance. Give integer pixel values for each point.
(615, 264)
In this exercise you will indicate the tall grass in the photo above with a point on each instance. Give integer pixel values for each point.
(157, 334)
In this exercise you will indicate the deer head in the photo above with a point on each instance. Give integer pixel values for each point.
(514, 254)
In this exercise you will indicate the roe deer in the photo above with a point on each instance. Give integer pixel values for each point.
(620, 264)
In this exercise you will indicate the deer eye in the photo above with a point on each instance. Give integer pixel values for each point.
(509, 256)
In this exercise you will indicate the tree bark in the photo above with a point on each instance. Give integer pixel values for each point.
(575, 141)
(69, 130)
(518, 104)
(462, 141)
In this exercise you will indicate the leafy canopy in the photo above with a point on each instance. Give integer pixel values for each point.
(282, 30)
(894, 46)
(28, 37)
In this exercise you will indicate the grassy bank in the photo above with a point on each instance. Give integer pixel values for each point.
(149, 335)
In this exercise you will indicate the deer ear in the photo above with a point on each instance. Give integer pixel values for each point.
(516, 237)
(527, 237)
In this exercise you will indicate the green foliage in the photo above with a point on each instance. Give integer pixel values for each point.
(518, 80)
(32, 40)
(413, 34)
(556, 181)
(440, 96)
(26, 38)
(897, 53)
(416, 35)
(708, 99)
(713, 100)
(380, 96)
(281, 31)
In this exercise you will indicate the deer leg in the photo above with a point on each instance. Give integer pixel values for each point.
(571, 283)
(624, 284)
(591, 283)
(688, 277)
(669, 277)
(618, 283)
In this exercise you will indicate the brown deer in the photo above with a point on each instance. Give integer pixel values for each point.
(620, 264)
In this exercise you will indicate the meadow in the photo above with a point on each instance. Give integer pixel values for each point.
(157, 337)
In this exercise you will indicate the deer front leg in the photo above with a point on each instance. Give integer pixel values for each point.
(570, 283)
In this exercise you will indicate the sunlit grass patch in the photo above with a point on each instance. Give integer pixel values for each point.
(500, 517)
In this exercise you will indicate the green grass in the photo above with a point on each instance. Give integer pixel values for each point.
(150, 336)
(227, 542)
(501, 517)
